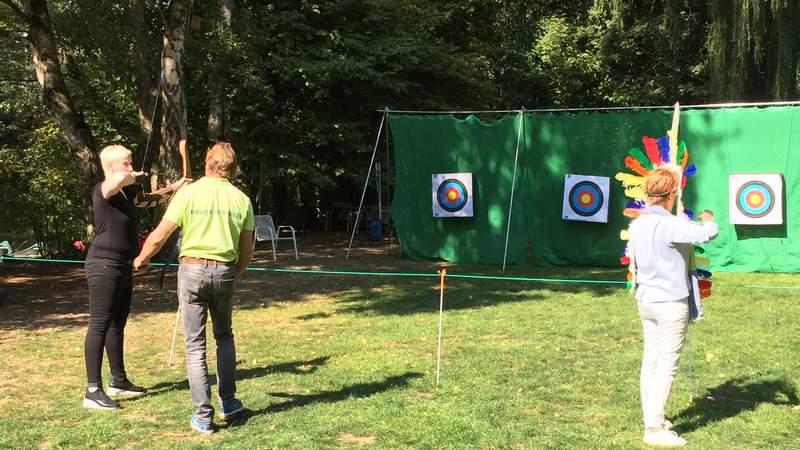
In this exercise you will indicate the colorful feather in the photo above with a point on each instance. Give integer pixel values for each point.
(704, 274)
(635, 192)
(681, 151)
(635, 166)
(623, 235)
(685, 158)
(672, 139)
(663, 149)
(638, 155)
(629, 179)
(637, 204)
(631, 212)
(651, 150)
(624, 260)
(689, 171)
(689, 213)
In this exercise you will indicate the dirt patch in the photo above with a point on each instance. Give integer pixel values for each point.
(44, 295)
(348, 438)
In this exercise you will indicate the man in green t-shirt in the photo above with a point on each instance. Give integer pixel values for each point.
(217, 226)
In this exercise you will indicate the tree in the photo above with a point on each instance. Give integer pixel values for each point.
(754, 49)
(173, 125)
(34, 17)
(217, 116)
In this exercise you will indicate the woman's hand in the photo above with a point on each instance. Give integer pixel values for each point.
(126, 178)
(706, 216)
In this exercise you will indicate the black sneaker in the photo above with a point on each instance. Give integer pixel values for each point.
(125, 389)
(98, 400)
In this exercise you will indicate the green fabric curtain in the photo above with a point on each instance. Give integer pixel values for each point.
(427, 145)
(720, 142)
(583, 144)
(746, 140)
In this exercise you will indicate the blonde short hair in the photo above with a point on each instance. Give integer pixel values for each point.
(112, 154)
(659, 183)
(221, 158)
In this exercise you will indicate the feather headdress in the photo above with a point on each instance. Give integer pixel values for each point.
(665, 151)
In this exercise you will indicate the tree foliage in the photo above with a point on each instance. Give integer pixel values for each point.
(295, 85)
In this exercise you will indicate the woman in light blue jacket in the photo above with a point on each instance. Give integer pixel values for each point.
(662, 246)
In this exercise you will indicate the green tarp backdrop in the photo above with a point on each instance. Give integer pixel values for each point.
(720, 141)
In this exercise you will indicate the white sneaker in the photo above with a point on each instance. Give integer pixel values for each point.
(663, 438)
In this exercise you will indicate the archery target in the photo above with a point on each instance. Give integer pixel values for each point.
(452, 195)
(585, 198)
(755, 199)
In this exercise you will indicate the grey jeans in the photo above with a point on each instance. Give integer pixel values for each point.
(204, 288)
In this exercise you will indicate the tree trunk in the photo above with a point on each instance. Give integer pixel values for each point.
(173, 121)
(217, 117)
(82, 148)
(147, 93)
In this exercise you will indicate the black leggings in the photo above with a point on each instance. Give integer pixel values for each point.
(110, 289)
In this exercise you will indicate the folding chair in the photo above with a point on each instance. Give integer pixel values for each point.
(266, 231)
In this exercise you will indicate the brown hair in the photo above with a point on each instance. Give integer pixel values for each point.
(221, 158)
(659, 183)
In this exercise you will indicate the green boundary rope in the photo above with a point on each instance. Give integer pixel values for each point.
(396, 274)
(338, 272)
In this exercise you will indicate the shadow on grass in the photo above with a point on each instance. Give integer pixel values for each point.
(43, 295)
(291, 367)
(732, 398)
(460, 293)
(359, 390)
(319, 315)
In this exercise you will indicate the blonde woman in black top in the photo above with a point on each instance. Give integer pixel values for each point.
(116, 202)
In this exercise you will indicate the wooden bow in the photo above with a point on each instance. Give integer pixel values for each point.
(182, 150)
(186, 168)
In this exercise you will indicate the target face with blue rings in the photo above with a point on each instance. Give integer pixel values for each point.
(586, 198)
(755, 199)
(452, 195)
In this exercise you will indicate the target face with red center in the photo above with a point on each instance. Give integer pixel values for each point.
(452, 195)
(756, 199)
(585, 198)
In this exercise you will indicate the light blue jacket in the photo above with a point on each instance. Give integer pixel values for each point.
(662, 247)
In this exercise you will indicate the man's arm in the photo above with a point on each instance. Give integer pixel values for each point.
(154, 242)
(245, 251)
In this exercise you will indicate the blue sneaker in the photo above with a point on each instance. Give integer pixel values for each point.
(229, 409)
(202, 427)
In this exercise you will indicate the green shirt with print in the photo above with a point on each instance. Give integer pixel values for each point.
(212, 214)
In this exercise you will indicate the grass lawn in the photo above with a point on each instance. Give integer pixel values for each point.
(328, 361)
